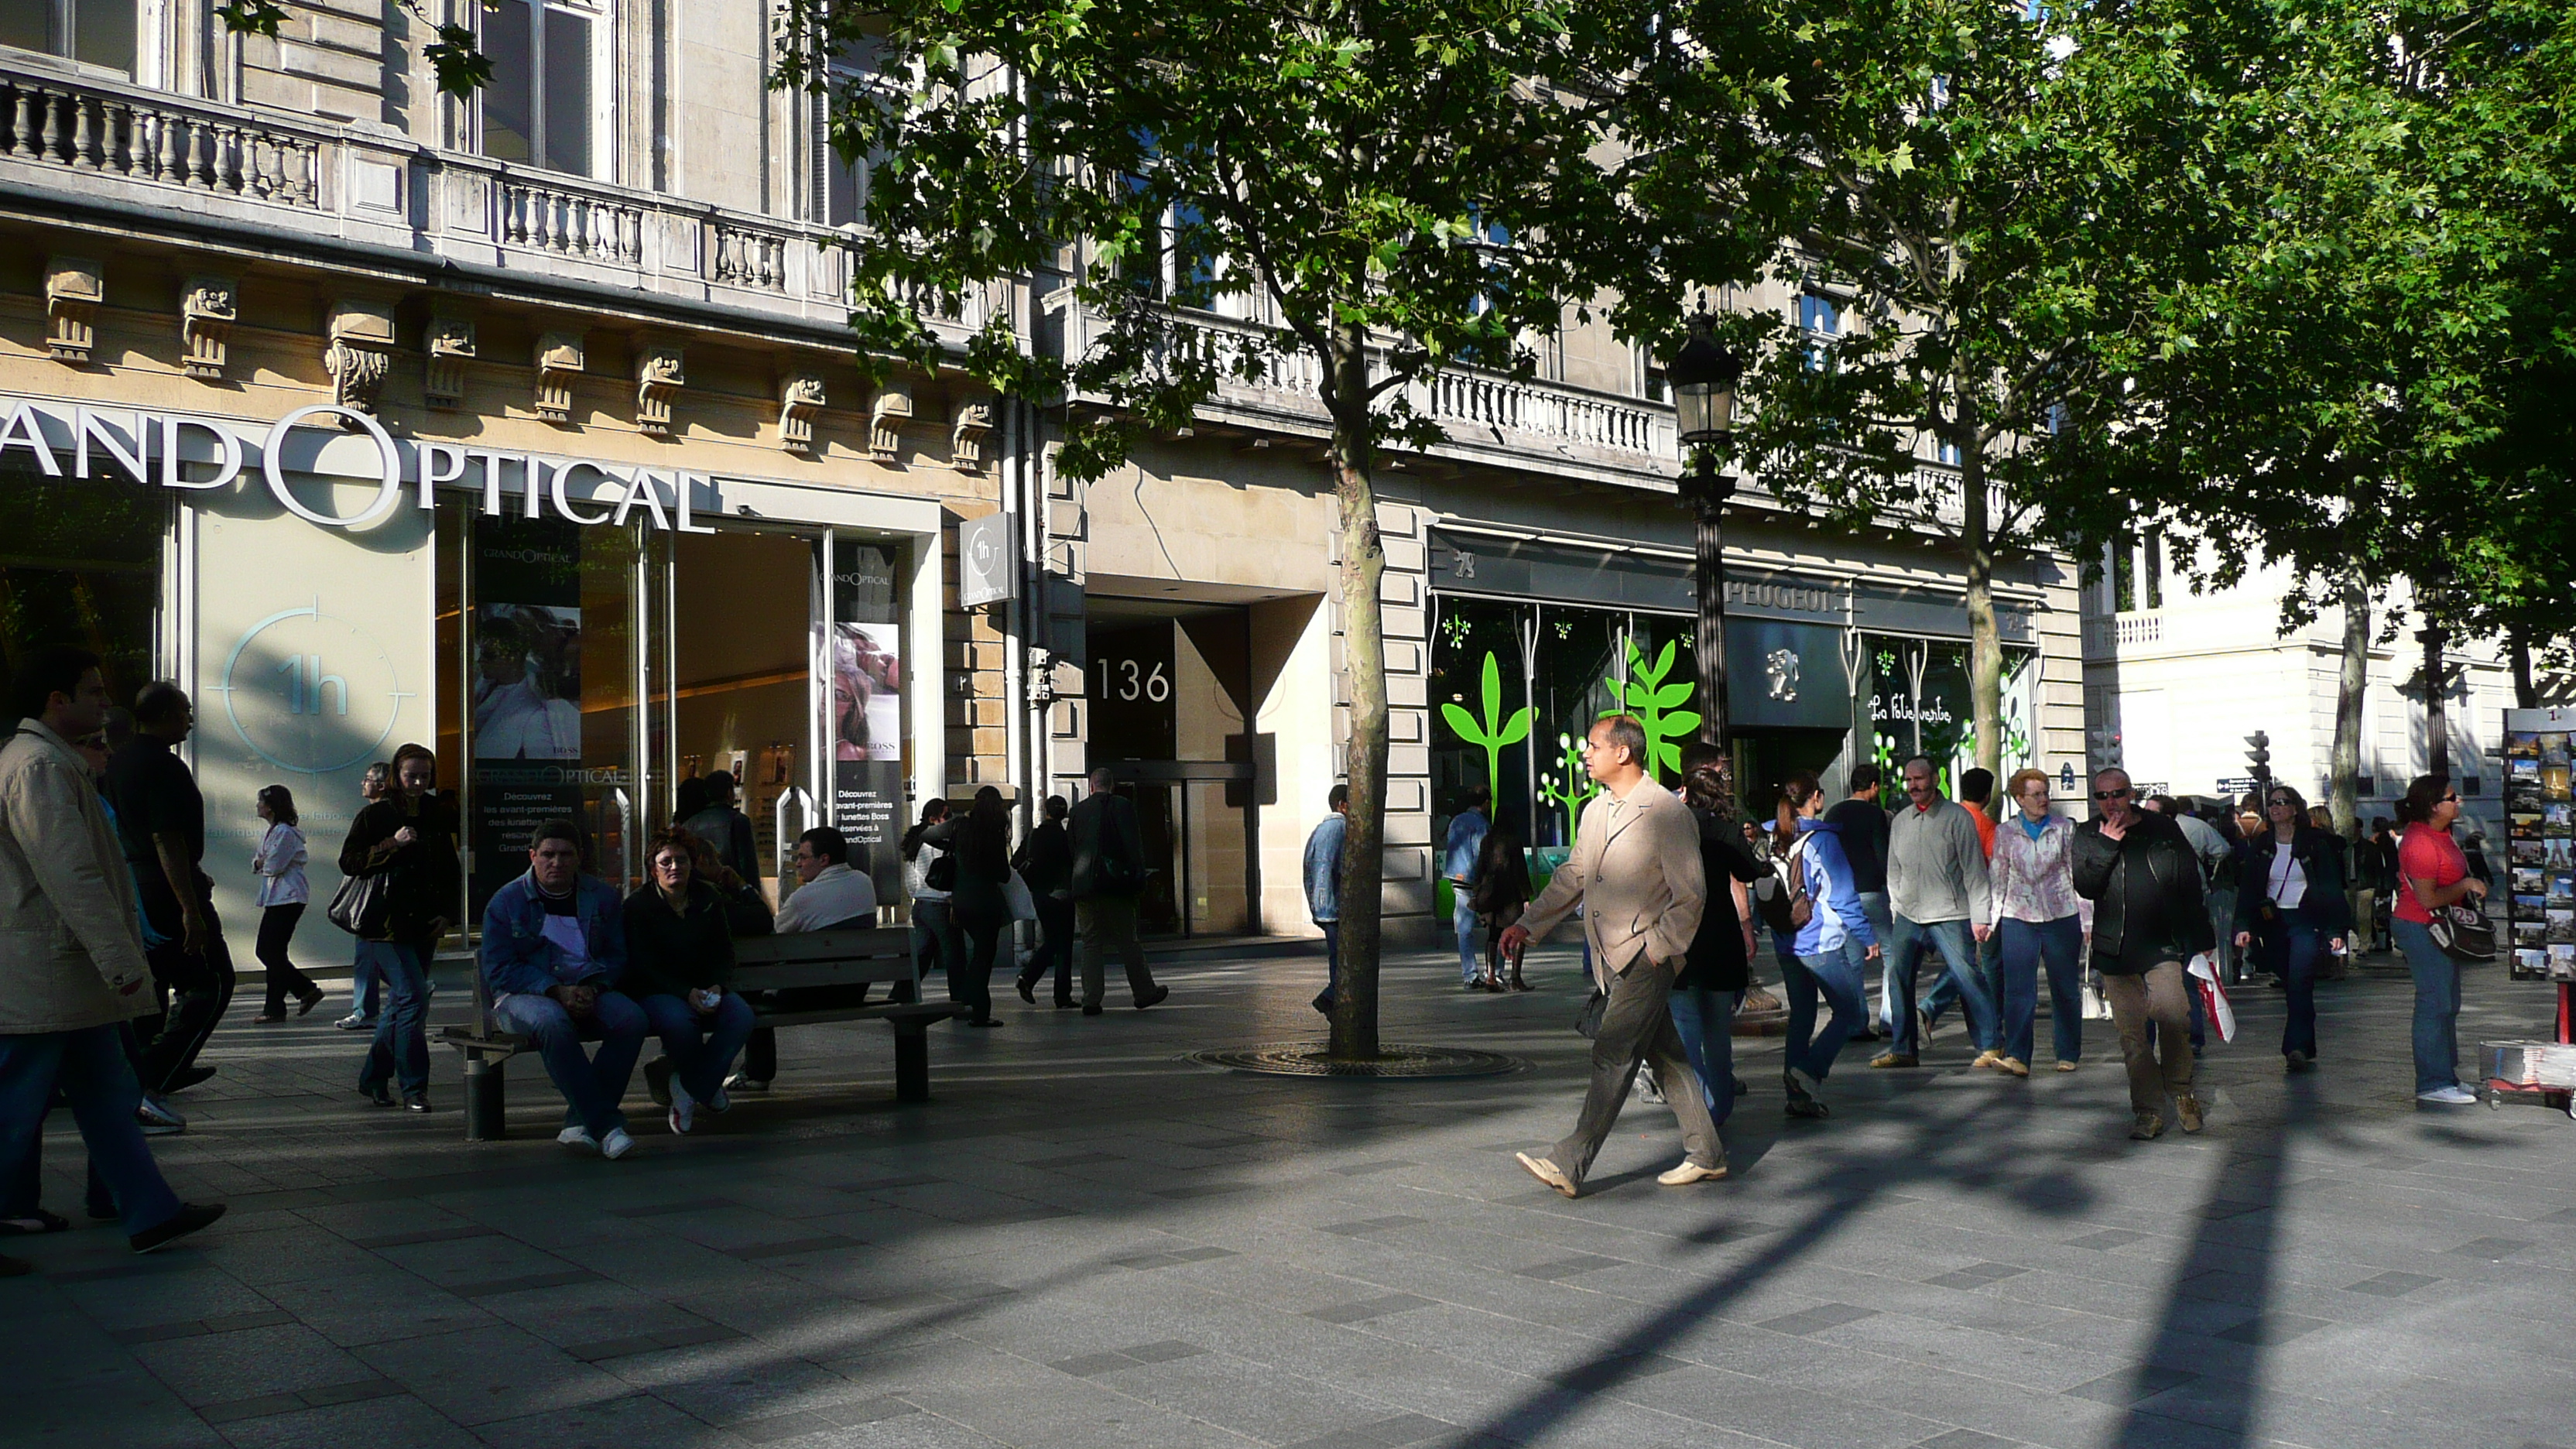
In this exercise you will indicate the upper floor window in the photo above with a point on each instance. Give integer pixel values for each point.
(841, 187)
(92, 34)
(1947, 452)
(545, 105)
(1821, 318)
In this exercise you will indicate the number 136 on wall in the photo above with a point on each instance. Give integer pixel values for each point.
(1131, 680)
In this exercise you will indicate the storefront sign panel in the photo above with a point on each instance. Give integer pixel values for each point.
(1786, 676)
(194, 454)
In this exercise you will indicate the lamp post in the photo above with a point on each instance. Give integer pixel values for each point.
(1703, 376)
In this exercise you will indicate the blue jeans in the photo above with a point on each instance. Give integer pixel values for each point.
(1332, 962)
(2290, 948)
(1840, 977)
(591, 1086)
(366, 986)
(2222, 919)
(2026, 946)
(1706, 1021)
(936, 939)
(1905, 945)
(2437, 1006)
(1989, 974)
(90, 1066)
(701, 1048)
(1462, 919)
(400, 1050)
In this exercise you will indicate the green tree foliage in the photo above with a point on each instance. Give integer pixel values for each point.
(1385, 186)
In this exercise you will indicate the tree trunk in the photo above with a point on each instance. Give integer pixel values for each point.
(1354, 1019)
(1985, 635)
(2349, 684)
(2437, 722)
(2526, 692)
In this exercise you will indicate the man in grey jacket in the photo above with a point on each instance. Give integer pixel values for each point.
(71, 959)
(1636, 871)
(1937, 893)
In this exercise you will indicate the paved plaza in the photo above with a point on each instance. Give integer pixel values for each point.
(1087, 1241)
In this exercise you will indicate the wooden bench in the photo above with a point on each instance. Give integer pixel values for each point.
(842, 958)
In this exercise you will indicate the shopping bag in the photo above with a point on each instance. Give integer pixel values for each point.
(2202, 974)
(1015, 891)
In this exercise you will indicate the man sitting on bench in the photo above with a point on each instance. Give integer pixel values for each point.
(554, 945)
(832, 898)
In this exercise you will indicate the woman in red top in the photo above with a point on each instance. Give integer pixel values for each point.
(2432, 874)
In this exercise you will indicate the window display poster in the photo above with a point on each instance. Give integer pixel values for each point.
(2540, 835)
(526, 706)
(864, 650)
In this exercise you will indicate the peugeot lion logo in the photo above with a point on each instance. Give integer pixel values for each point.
(1780, 668)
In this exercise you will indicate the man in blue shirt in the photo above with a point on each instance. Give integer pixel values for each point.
(554, 944)
(1458, 862)
(1324, 887)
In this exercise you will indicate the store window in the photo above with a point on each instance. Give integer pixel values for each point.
(1919, 704)
(92, 34)
(82, 565)
(543, 105)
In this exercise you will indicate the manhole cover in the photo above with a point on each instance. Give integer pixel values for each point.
(1313, 1059)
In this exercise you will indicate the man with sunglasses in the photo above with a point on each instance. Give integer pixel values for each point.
(2149, 917)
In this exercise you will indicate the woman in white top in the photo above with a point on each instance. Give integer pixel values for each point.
(936, 941)
(2036, 920)
(2290, 907)
(282, 897)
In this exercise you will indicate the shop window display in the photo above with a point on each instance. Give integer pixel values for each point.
(82, 565)
(1919, 703)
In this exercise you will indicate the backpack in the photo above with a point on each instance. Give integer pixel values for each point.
(1783, 900)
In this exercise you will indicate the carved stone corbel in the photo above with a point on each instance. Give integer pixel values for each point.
(560, 359)
(966, 439)
(887, 414)
(659, 376)
(361, 353)
(74, 286)
(450, 346)
(207, 309)
(800, 399)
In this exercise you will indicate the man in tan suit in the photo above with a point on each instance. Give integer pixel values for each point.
(1636, 870)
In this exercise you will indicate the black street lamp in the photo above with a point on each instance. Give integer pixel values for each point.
(1703, 376)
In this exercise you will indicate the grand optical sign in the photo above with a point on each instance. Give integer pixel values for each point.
(333, 443)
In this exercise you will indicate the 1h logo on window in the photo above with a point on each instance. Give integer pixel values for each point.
(1465, 567)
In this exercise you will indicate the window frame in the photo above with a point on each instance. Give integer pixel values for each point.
(64, 14)
(601, 16)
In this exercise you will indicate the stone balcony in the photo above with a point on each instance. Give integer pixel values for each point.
(368, 187)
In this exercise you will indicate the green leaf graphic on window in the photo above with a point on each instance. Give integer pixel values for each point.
(1493, 732)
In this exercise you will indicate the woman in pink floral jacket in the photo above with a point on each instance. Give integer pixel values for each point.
(2036, 918)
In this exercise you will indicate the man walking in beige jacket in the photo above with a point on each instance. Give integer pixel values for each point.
(1636, 870)
(71, 960)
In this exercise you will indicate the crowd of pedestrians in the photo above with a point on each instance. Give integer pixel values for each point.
(2141, 896)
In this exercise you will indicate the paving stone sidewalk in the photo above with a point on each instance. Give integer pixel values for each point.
(1087, 1241)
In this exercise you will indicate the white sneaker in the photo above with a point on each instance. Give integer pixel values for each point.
(157, 1112)
(2454, 1095)
(617, 1144)
(683, 1108)
(577, 1137)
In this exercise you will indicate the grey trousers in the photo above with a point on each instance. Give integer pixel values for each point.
(1637, 1025)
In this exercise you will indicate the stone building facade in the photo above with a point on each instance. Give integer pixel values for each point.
(597, 501)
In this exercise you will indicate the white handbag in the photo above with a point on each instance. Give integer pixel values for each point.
(1015, 892)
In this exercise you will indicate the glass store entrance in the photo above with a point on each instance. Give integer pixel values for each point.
(601, 669)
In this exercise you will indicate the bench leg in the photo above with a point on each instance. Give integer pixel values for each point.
(911, 1062)
(484, 1118)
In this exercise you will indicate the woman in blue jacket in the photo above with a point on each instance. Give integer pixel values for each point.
(1834, 947)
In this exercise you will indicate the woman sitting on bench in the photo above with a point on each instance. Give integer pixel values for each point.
(679, 956)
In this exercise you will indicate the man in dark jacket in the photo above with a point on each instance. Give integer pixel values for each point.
(1863, 826)
(163, 820)
(1045, 863)
(1108, 875)
(2149, 917)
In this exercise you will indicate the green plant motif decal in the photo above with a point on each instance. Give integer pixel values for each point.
(1493, 732)
(1571, 789)
(1654, 703)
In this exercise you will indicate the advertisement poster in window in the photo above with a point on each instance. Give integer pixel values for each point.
(526, 704)
(865, 664)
